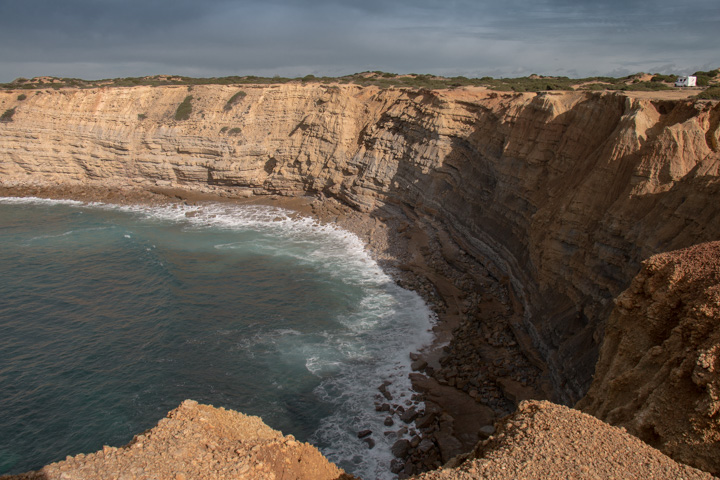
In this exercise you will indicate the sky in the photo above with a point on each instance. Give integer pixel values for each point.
(94, 39)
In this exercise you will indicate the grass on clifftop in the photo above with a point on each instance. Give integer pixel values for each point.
(712, 93)
(532, 83)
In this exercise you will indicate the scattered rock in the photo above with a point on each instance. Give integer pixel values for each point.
(418, 365)
(384, 391)
(370, 443)
(409, 415)
(401, 448)
(425, 445)
(486, 431)
(426, 420)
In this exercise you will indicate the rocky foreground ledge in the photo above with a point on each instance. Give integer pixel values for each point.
(540, 440)
(198, 441)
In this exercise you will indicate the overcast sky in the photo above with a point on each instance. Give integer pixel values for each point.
(95, 39)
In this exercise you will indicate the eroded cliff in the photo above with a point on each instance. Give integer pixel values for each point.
(563, 195)
(659, 369)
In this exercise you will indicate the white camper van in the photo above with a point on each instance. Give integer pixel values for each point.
(689, 81)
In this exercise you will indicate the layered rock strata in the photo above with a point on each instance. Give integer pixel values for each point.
(559, 196)
(659, 369)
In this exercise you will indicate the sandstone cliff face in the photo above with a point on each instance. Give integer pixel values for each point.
(659, 369)
(564, 193)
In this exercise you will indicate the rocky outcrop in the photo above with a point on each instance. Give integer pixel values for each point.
(198, 441)
(562, 194)
(540, 440)
(659, 369)
(548, 441)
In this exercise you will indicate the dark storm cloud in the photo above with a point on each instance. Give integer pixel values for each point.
(104, 38)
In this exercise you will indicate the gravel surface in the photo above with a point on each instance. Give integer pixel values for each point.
(198, 442)
(548, 441)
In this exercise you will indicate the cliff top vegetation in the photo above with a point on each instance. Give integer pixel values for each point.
(532, 83)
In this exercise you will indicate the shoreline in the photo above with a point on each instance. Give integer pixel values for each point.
(456, 407)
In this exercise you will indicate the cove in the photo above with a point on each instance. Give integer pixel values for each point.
(113, 315)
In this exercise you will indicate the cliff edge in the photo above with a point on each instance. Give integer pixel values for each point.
(198, 441)
(659, 369)
(540, 440)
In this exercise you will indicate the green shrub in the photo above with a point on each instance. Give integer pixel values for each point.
(648, 86)
(594, 86)
(22, 97)
(640, 87)
(533, 83)
(8, 115)
(663, 78)
(709, 73)
(184, 109)
(703, 80)
(712, 93)
(234, 131)
(233, 100)
(224, 129)
(142, 116)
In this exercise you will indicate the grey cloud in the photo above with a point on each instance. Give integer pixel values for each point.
(223, 37)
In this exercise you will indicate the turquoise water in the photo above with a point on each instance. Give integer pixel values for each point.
(111, 316)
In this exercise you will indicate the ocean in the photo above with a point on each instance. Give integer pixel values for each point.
(110, 316)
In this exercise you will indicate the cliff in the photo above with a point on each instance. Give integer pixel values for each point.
(561, 196)
(659, 369)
